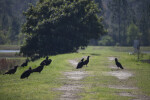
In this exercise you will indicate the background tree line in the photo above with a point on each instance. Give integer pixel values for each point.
(125, 21)
(11, 20)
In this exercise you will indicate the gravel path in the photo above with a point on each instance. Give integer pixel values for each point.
(73, 86)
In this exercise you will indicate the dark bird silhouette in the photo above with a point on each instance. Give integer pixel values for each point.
(25, 64)
(82, 59)
(26, 73)
(47, 58)
(38, 69)
(86, 61)
(80, 64)
(11, 71)
(43, 63)
(46, 61)
(118, 64)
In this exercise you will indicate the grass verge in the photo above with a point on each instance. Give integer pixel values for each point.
(42, 86)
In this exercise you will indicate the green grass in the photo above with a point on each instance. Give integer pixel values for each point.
(97, 85)
(37, 86)
(42, 86)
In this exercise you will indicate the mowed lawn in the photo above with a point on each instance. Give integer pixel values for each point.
(96, 86)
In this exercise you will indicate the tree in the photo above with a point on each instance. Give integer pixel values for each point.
(5, 16)
(100, 5)
(60, 26)
(133, 33)
(14, 30)
(115, 6)
(144, 21)
(120, 19)
(11, 19)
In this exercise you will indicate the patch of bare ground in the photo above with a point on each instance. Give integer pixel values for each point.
(122, 75)
(122, 87)
(111, 58)
(70, 91)
(72, 83)
(75, 75)
(136, 97)
(113, 67)
(126, 94)
(141, 97)
(73, 62)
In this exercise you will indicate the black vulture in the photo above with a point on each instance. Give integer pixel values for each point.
(86, 61)
(47, 58)
(25, 64)
(43, 63)
(118, 64)
(46, 61)
(80, 64)
(38, 69)
(11, 71)
(82, 59)
(26, 73)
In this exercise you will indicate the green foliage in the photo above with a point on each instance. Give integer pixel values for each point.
(60, 26)
(133, 33)
(144, 23)
(124, 12)
(120, 16)
(3, 38)
(100, 5)
(106, 40)
(11, 19)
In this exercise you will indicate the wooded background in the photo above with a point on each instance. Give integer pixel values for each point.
(125, 21)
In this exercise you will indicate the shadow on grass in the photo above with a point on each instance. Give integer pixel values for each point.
(146, 61)
(93, 54)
